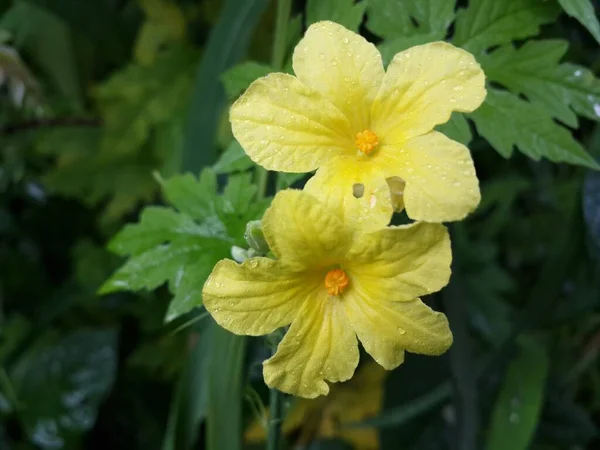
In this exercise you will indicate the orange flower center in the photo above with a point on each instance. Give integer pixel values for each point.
(336, 281)
(366, 141)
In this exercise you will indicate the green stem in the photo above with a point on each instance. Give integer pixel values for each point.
(284, 9)
(275, 420)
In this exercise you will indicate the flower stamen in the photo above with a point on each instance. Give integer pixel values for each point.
(336, 281)
(366, 141)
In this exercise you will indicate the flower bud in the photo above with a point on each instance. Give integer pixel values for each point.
(255, 237)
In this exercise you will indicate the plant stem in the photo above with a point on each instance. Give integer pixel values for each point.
(275, 420)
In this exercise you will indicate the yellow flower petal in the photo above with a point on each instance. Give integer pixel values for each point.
(303, 232)
(421, 88)
(343, 66)
(320, 346)
(256, 297)
(341, 181)
(401, 263)
(441, 183)
(286, 126)
(386, 329)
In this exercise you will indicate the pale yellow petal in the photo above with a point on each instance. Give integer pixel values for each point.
(388, 329)
(356, 190)
(401, 263)
(421, 88)
(441, 183)
(303, 232)
(255, 297)
(320, 346)
(343, 66)
(286, 126)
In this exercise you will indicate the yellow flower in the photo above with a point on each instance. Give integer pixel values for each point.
(353, 401)
(360, 125)
(333, 284)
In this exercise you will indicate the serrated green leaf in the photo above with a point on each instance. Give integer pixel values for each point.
(520, 400)
(457, 128)
(181, 246)
(344, 12)
(393, 19)
(486, 23)
(390, 47)
(583, 11)
(237, 79)
(233, 159)
(535, 71)
(507, 121)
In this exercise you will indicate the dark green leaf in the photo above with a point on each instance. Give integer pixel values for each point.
(233, 159)
(344, 12)
(507, 121)
(62, 385)
(227, 44)
(486, 23)
(393, 19)
(583, 11)
(519, 402)
(237, 79)
(457, 128)
(534, 70)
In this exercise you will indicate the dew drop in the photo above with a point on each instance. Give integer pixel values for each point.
(457, 184)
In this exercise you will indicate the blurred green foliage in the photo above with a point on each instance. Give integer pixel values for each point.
(110, 106)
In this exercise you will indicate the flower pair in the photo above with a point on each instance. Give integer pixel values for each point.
(341, 273)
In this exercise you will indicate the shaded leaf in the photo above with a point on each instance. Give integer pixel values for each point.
(535, 71)
(507, 121)
(457, 128)
(237, 79)
(591, 205)
(233, 159)
(62, 385)
(486, 23)
(583, 11)
(345, 12)
(517, 409)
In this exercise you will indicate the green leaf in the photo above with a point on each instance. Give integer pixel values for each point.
(62, 385)
(390, 47)
(237, 79)
(285, 180)
(393, 18)
(226, 380)
(180, 247)
(344, 12)
(233, 159)
(141, 97)
(486, 23)
(457, 128)
(507, 121)
(517, 409)
(583, 11)
(227, 44)
(534, 71)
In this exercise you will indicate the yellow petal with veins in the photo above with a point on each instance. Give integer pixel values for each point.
(256, 297)
(401, 263)
(441, 183)
(341, 65)
(303, 232)
(355, 190)
(286, 126)
(320, 346)
(421, 88)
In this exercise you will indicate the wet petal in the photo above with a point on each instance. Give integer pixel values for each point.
(320, 346)
(304, 232)
(256, 297)
(343, 66)
(356, 190)
(286, 126)
(401, 263)
(441, 183)
(421, 88)
(388, 329)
